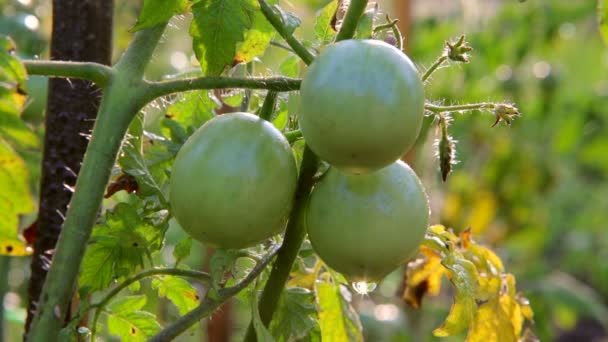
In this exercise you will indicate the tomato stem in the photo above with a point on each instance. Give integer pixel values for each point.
(120, 103)
(277, 22)
(353, 14)
(211, 303)
(294, 236)
(268, 106)
(95, 72)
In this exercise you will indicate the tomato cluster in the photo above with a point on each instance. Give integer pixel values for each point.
(362, 105)
(362, 109)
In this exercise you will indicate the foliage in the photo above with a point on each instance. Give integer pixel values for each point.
(536, 189)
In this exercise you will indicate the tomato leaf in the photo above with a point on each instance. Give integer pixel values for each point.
(179, 291)
(182, 250)
(15, 197)
(190, 111)
(296, 315)
(323, 29)
(127, 304)
(262, 333)
(464, 278)
(155, 12)
(118, 247)
(133, 326)
(217, 27)
(256, 39)
(14, 247)
(221, 261)
(337, 318)
(290, 67)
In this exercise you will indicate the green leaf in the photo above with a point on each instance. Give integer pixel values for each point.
(216, 29)
(221, 261)
(337, 318)
(323, 30)
(127, 304)
(602, 14)
(464, 278)
(118, 247)
(256, 39)
(177, 290)
(133, 326)
(296, 315)
(289, 20)
(190, 111)
(290, 67)
(261, 332)
(155, 12)
(182, 250)
(132, 161)
(15, 197)
(365, 26)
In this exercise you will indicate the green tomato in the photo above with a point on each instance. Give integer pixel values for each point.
(233, 182)
(362, 105)
(365, 226)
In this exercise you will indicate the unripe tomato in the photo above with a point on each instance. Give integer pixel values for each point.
(365, 226)
(233, 181)
(362, 105)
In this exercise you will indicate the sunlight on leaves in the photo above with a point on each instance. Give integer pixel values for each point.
(154, 12)
(129, 323)
(323, 29)
(296, 315)
(486, 302)
(337, 318)
(178, 290)
(217, 27)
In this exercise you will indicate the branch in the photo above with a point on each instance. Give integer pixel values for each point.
(158, 89)
(349, 25)
(208, 305)
(120, 103)
(294, 236)
(99, 306)
(439, 62)
(457, 108)
(277, 23)
(98, 73)
(268, 106)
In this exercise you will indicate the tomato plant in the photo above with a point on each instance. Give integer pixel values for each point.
(230, 179)
(364, 226)
(233, 181)
(362, 105)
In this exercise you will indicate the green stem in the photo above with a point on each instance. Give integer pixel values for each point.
(209, 305)
(158, 89)
(293, 136)
(247, 97)
(98, 73)
(277, 22)
(99, 306)
(281, 45)
(386, 26)
(294, 236)
(456, 108)
(353, 14)
(268, 106)
(120, 103)
(433, 67)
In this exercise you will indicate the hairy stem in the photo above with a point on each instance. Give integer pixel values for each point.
(268, 106)
(351, 20)
(293, 136)
(209, 304)
(90, 71)
(456, 108)
(120, 103)
(294, 236)
(439, 62)
(277, 22)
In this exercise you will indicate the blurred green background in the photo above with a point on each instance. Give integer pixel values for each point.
(536, 192)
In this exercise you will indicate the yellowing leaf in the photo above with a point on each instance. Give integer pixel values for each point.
(337, 318)
(14, 247)
(463, 275)
(302, 279)
(484, 259)
(499, 319)
(256, 39)
(423, 276)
